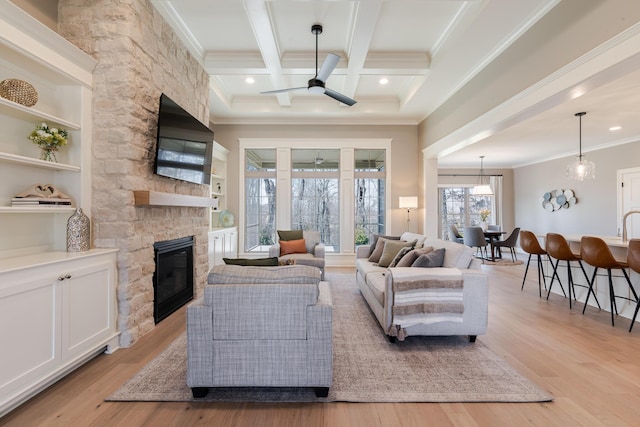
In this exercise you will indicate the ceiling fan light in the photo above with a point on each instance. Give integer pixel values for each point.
(317, 90)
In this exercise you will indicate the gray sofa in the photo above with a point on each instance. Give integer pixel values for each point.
(261, 327)
(377, 286)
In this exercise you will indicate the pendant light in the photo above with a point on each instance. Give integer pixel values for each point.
(581, 169)
(483, 188)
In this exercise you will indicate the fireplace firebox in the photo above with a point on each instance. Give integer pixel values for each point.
(173, 278)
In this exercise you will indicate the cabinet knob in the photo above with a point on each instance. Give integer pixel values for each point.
(64, 276)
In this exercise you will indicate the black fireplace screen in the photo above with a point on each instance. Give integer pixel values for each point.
(173, 278)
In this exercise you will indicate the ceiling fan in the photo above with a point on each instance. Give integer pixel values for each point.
(316, 84)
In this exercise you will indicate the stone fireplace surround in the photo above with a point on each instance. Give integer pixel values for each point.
(139, 58)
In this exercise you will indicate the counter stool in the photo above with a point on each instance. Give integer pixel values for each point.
(595, 252)
(633, 259)
(529, 243)
(557, 247)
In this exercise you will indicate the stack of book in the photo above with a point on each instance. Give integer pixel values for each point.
(40, 201)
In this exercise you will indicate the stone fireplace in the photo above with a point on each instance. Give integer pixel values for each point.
(139, 58)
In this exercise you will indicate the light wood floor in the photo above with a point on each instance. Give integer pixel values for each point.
(591, 368)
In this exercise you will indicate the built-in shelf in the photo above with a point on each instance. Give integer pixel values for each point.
(155, 198)
(36, 209)
(30, 113)
(42, 164)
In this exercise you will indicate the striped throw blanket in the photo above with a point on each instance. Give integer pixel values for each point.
(426, 296)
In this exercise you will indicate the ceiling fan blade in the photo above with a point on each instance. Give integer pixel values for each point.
(339, 97)
(283, 90)
(328, 66)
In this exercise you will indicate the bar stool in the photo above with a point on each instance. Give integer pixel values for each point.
(633, 259)
(529, 243)
(595, 252)
(557, 247)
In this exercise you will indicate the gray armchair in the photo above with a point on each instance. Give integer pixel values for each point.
(261, 327)
(474, 237)
(315, 252)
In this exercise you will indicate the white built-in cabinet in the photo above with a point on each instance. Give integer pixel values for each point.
(223, 243)
(57, 309)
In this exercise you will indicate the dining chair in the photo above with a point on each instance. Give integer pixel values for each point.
(595, 252)
(557, 247)
(529, 243)
(454, 234)
(633, 259)
(474, 237)
(509, 242)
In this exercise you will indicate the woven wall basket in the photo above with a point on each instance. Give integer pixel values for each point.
(19, 91)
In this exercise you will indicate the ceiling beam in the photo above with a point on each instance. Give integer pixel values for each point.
(264, 34)
(364, 24)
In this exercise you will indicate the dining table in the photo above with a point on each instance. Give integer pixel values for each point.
(493, 236)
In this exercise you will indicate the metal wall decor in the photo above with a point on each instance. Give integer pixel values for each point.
(555, 200)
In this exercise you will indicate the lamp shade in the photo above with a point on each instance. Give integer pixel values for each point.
(409, 202)
(482, 190)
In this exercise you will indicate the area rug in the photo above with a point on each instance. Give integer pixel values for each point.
(503, 261)
(367, 367)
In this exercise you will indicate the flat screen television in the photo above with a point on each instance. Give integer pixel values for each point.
(184, 145)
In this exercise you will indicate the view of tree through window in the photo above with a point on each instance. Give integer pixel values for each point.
(369, 194)
(461, 208)
(260, 199)
(315, 201)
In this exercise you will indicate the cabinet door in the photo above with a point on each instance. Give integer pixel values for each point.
(29, 319)
(88, 307)
(216, 248)
(231, 244)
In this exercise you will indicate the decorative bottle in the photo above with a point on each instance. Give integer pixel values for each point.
(78, 232)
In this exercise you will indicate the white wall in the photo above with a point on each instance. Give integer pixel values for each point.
(596, 210)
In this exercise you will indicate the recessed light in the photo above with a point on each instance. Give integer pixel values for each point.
(384, 81)
(615, 128)
(250, 80)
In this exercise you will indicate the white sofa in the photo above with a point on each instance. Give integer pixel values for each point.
(376, 285)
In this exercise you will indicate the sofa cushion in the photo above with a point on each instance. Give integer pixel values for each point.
(311, 239)
(408, 236)
(365, 267)
(433, 259)
(292, 247)
(408, 259)
(257, 262)
(374, 241)
(236, 274)
(456, 255)
(391, 249)
(287, 235)
(376, 282)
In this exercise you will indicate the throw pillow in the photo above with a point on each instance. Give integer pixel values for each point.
(292, 247)
(377, 251)
(399, 255)
(287, 235)
(433, 259)
(374, 241)
(256, 262)
(409, 258)
(391, 249)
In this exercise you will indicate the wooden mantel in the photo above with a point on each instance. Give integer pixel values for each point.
(155, 198)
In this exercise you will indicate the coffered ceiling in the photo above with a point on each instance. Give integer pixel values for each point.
(425, 49)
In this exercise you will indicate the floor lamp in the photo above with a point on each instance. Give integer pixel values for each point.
(408, 203)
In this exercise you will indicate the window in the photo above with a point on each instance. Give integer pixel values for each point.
(315, 201)
(369, 194)
(260, 199)
(461, 208)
